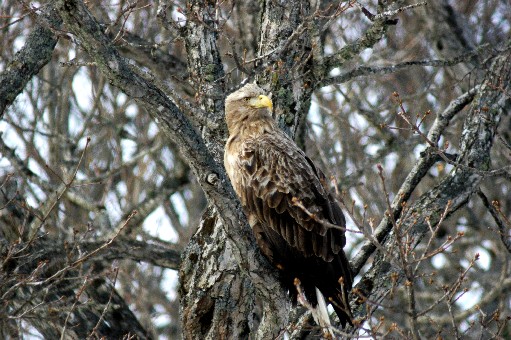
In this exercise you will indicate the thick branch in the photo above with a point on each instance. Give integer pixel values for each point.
(30, 59)
(206, 72)
(214, 297)
(288, 77)
(163, 255)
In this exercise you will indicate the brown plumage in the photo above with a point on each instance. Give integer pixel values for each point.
(268, 171)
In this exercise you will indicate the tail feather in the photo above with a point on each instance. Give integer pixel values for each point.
(320, 312)
(321, 316)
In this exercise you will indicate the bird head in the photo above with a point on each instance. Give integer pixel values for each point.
(247, 104)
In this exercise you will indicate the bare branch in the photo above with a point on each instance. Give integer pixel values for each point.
(361, 71)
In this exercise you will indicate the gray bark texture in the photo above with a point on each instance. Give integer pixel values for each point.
(31, 58)
(118, 221)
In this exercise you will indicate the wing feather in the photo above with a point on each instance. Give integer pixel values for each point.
(275, 172)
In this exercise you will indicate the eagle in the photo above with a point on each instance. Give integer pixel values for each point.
(297, 223)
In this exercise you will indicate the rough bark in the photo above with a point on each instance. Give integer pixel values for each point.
(30, 59)
(206, 73)
(289, 78)
(216, 299)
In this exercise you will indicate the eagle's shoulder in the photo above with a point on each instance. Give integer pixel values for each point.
(275, 158)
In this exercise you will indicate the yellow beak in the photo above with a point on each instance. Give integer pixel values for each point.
(261, 101)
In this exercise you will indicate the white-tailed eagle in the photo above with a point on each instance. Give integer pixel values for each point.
(271, 175)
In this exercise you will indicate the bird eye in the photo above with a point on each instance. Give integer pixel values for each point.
(246, 99)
